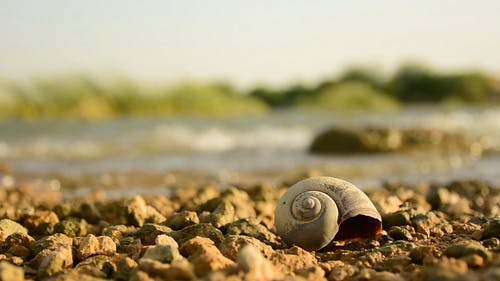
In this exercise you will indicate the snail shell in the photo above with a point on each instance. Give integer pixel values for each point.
(316, 211)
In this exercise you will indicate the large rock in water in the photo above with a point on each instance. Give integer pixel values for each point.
(380, 140)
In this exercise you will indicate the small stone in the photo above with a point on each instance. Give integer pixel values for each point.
(137, 213)
(205, 217)
(370, 259)
(55, 262)
(63, 210)
(20, 251)
(52, 242)
(162, 253)
(106, 245)
(91, 245)
(440, 196)
(10, 272)
(418, 254)
(424, 222)
(116, 232)
(178, 270)
(182, 219)
(491, 242)
(44, 229)
(474, 261)
(149, 231)
(90, 213)
(232, 245)
(447, 269)
(72, 227)
(33, 221)
(223, 214)
(400, 233)
(312, 273)
(97, 266)
(19, 239)
(466, 248)
(251, 227)
(398, 218)
(340, 271)
(387, 204)
(8, 227)
(203, 254)
(398, 247)
(292, 259)
(459, 208)
(124, 268)
(202, 230)
(256, 266)
(239, 199)
(163, 239)
(131, 246)
(492, 229)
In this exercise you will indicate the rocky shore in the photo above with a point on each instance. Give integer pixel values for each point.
(430, 232)
(386, 140)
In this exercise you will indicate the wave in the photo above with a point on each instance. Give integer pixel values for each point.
(161, 139)
(286, 131)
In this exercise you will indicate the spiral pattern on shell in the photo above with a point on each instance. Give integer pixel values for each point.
(315, 211)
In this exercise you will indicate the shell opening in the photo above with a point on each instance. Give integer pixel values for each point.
(359, 226)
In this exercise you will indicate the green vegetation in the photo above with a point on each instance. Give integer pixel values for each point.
(351, 96)
(85, 96)
(365, 88)
(82, 96)
(419, 84)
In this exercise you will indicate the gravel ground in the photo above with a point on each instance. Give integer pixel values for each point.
(202, 232)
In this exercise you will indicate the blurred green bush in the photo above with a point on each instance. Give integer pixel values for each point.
(351, 96)
(78, 95)
(83, 96)
(413, 83)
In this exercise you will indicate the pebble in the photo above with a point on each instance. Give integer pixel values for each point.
(55, 262)
(400, 233)
(232, 244)
(149, 231)
(251, 227)
(203, 230)
(492, 229)
(154, 270)
(182, 219)
(137, 212)
(10, 272)
(292, 259)
(72, 227)
(90, 213)
(162, 253)
(223, 214)
(163, 239)
(90, 239)
(204, 255)
(466, 248)
(398, 218)
(92, 245)
(255, 265)
(491, 242)
(8, 227)
(419, 254)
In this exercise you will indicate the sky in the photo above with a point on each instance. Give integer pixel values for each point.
(244, 42)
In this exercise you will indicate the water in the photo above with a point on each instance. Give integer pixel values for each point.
(278, 141)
